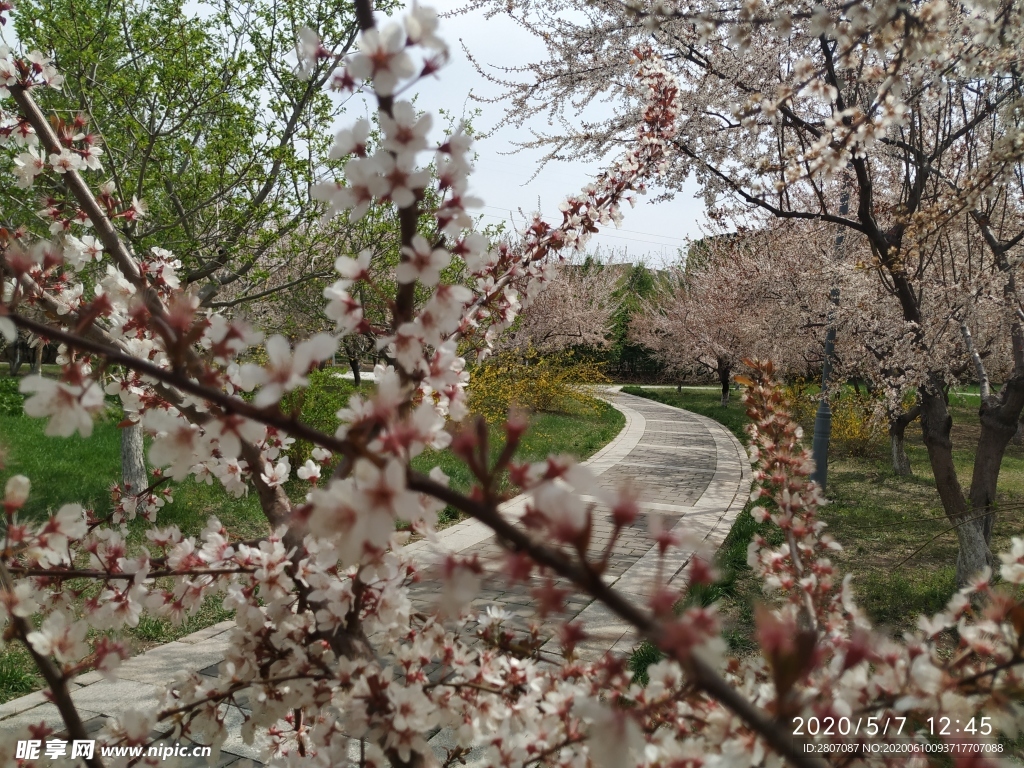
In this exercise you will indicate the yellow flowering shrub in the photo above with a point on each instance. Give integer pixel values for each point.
(802, 404)
(856, 423)
(535, 383)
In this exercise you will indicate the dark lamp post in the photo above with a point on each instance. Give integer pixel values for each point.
(823, 417)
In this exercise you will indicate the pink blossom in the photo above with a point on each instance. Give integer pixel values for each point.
(66, 160)
(404, 130)
(399, 178)
(60, 637)
(309, 51)
(69, 407)
(286, 370)
(351, 141)
(382, 58)
(28, 165)
(16, 492)
(276, 474)
(422, 262)
(363, 184)
(421, 25)
(309, 471)
(1012, 569)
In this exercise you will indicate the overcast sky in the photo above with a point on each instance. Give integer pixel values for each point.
(503, 180)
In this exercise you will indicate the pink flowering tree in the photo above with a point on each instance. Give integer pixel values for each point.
(326, 643)
(573, 307)
(910, 113)
(760, 293)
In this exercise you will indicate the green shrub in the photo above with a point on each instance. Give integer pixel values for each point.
(643, 657)
(11, 400)
(18, 674)
(801, 400)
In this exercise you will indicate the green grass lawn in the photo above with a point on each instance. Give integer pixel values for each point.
(897, 543)
(580, 435)
(80, 470)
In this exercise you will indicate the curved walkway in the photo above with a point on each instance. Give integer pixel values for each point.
(689, 469)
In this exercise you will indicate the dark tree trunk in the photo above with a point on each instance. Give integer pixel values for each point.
(724, 372)
(897, 439)
(936, 426)
(133, 460)
(354, 363)
(37, 358)
(1018, 436)
(1000, 416)
(14, 363)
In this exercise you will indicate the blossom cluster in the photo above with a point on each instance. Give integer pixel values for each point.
(327, 649)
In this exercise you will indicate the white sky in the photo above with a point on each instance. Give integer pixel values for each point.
(503, 179)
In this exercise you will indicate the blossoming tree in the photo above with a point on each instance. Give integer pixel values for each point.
(573, 308)
(750, 294)
(911, 113)
(203, 119)
(326, 642)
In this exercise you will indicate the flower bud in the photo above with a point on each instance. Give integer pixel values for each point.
(16, 492)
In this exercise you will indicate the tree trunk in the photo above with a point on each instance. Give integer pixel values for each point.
(15, 360)
(936, 426)
(974, 555)
(37, 358)
(979, 366)
(897, 435)
(354, 363)
(724, 371)
(999, 416)
(1018, 436)
(133, 459)
(900, 460)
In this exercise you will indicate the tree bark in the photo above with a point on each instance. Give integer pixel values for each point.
(37, 358)
(897, 439)
(900, 461)
(999, 416)
(133, 459)
(979, 366)
(14, 363)
(936, 426)
(354, 363)
(724, 372)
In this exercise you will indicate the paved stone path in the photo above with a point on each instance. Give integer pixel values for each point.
(688, 469)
